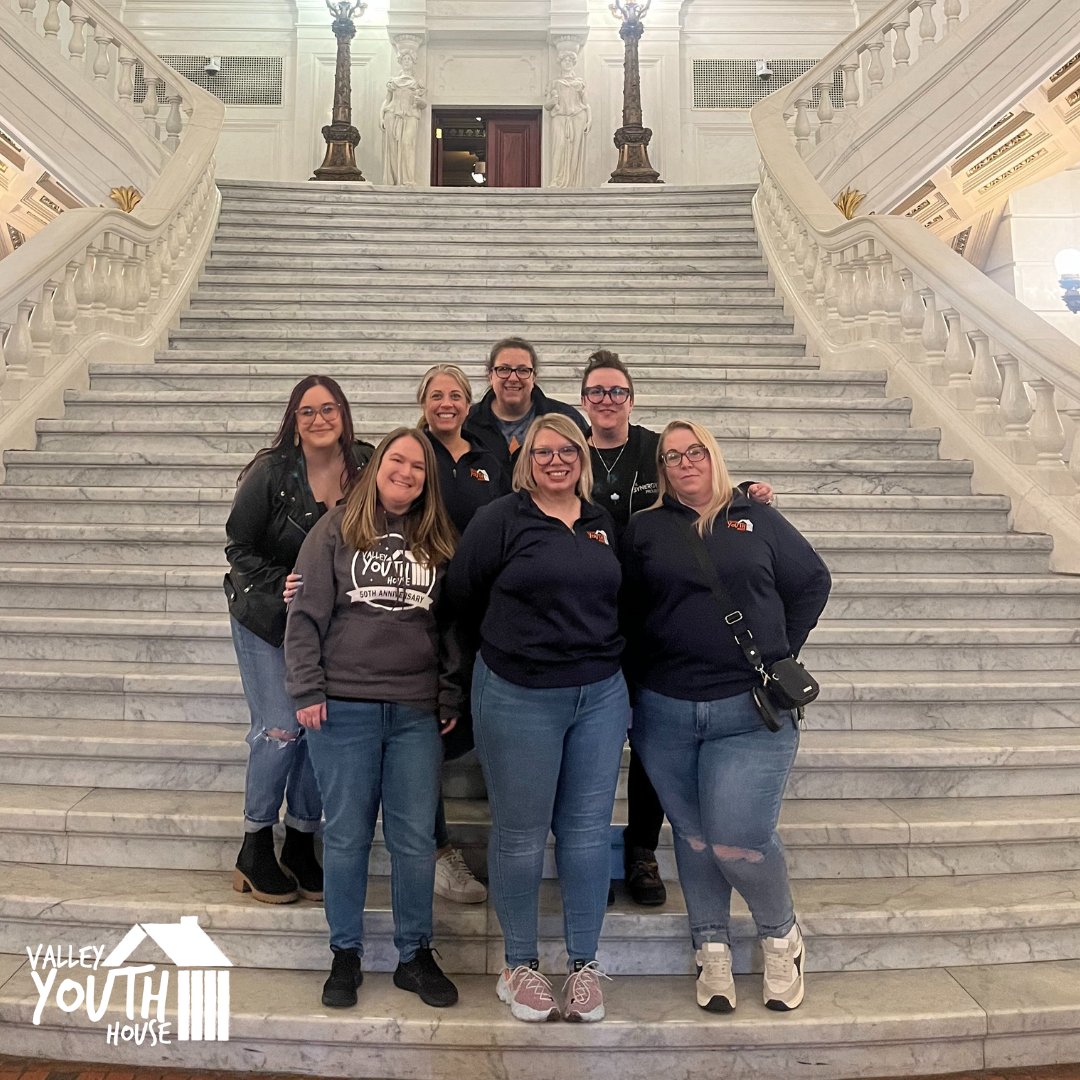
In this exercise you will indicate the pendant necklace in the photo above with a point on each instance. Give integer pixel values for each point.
(610, 468)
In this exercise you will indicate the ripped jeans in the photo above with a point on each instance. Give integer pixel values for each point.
(279, 769)
(720, 774)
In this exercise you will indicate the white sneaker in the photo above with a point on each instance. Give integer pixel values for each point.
(715, 984)
(455, 881)
(785, 956)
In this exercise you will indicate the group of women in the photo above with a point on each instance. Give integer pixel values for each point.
(499, 541)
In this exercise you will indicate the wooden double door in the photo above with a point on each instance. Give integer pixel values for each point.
(511, 146)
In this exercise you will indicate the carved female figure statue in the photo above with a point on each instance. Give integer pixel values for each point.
(571, 118)
(406, 99)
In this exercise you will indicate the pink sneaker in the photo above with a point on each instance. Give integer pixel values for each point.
(583, 1000)
(528, 993)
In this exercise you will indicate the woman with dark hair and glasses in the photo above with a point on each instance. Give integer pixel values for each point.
(624, 458)
(309, 467)
(538, 570)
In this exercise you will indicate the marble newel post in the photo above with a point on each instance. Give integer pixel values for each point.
(340, 135)
(633, 137)
(406, 99)
(571, 119)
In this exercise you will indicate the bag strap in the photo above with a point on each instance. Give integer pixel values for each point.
(729, 609)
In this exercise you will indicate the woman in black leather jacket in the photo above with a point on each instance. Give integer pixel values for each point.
(310, 466)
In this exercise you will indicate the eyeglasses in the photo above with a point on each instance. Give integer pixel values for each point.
(596, 394)
(329, 411)
(696, 452)
(504, 371)
(542, 455)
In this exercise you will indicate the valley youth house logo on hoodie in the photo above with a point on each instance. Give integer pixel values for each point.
(390, 577)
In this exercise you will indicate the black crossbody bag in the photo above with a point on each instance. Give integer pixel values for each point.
(786, 684)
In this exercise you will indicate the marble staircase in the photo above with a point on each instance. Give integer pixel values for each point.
(933, 818)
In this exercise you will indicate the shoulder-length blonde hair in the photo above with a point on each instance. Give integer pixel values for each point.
(427, 527)
(455, 373)
(564, 426)
(722, 490)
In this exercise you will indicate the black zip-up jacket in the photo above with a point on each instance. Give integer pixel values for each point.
(633, 477)
(273, 510)
(545, 596)
(485, 425)
(475, 479)
(677, 642)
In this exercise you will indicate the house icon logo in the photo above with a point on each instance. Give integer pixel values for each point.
(141, 989)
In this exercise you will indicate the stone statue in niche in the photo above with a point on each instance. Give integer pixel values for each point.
(571, 118)
(406, 99)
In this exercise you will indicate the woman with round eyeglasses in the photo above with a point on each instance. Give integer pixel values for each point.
(719, 770)
(287, 487)
(538, 570)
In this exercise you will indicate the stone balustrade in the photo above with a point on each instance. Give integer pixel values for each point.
(99, 281)
(1002, 383)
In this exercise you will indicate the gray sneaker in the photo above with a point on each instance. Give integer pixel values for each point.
(783, 986)
(715, 983)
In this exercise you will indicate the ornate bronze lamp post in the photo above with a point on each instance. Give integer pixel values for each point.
(632, 138)
(340, 135)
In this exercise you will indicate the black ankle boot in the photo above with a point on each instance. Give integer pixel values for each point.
(298, 860)
(643, 881)
(339, 991)
(257, 870)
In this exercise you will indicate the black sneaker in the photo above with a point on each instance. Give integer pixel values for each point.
(643, 877)
(339, 991)
(423, 977)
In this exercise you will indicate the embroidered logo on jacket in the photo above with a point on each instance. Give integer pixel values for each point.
(390, 577)
(742, 525)
(599, 535)
(479, 474)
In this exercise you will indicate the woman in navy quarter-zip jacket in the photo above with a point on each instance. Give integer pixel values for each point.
(537, 574)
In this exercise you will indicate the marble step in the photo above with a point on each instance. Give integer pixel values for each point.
(865, 513)
(826, 838)
(201, 545)
(563, 380)
(853, 1023)
(731, 412)
(183, 693)
(850, 924)
(207, 755)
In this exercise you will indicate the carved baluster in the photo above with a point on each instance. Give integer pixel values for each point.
(845, 301)
(84, 289)
(101, 282)
(927, 27)
(832, 287)
(115, 300)
(43, 326)
(875, 70)
(125, 83)
(151, 105)
(875, 272)
(182, 234)
(26, 12)
(66, 307)
(901, 46)
(802, 125)
(912, 314)
(958, 361)
(860, 298)
(850, 68)
(1048, 438)
(174, 123)
(51, 25)
(103, 60)
(77, 41)
(20, 349)
(153, 269)
(168, 262)
(1074, 451)
(985, 386)
(825, 111)
(895, 293)
(142, 285)
(817, 284)
(802, 242)
(129, 301)
(810, 263)
(1015, 410)
(952, 16)
(3, 360)
(934, 336)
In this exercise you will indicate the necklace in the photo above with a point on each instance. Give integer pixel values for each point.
(609, 469)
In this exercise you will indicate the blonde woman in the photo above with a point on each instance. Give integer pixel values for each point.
(719, 771)
(374, 680)
(537, 569)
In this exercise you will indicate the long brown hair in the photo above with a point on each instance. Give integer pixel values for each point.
(428, 531)
(285, 439)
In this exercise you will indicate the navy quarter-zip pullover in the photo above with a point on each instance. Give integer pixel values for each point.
(477, 478)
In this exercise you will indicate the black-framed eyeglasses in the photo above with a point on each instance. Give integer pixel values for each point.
(543, 455)
(504, 371)
(596, 394)
(695, 452)
(329, 411)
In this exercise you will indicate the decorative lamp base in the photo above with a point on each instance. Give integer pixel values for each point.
(634, 166)
(340, 160)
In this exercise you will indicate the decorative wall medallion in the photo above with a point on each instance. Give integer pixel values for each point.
(848, 202)
(127, 198)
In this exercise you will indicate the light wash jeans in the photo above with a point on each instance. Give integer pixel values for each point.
(720, 774)
(363, 753)
(279, 769)
(551, 762)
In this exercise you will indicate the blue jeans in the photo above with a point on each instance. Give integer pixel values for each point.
(551, 762)
(363, 753)
(720, 774)
(279, 769)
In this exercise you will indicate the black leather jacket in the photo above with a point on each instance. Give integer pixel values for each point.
(272, 512)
